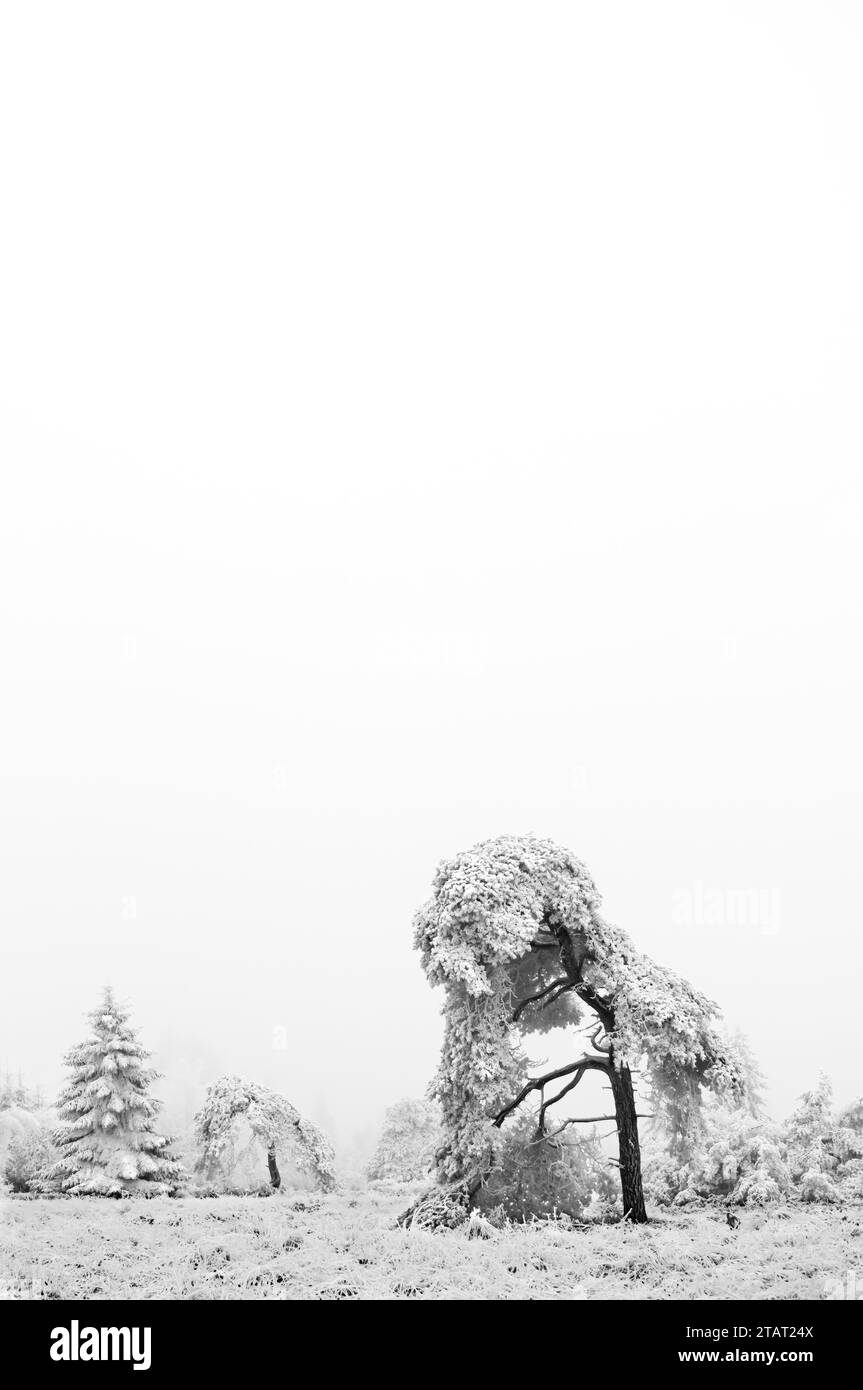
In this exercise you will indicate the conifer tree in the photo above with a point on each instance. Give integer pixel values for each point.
(808, 1131)
(106, 1136)
(809, 1144)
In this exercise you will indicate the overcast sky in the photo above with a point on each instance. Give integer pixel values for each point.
(423, 422)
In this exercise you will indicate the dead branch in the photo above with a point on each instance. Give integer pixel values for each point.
(560, 1095)
(536, 1084)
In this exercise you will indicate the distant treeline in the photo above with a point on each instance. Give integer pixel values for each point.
(15, 1093)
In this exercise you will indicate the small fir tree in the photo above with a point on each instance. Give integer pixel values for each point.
(106, 1136)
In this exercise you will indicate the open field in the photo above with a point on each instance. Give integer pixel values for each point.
(300, 1246)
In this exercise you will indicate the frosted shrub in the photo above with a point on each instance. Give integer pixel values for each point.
(815, 1186)
(742, 1162)
(28, 1158)
(16, 1122)
(666, 1179)
(539, 1176)
(851, 1175)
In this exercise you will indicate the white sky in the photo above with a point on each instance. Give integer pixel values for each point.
(422, 422)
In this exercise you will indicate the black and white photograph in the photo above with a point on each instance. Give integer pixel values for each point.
(430, 578)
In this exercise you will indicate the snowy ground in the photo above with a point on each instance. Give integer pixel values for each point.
(344, 1246)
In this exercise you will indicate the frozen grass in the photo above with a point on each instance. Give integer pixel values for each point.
(344, 1246)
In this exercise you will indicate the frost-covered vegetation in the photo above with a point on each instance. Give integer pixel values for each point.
(409, 1139)
(745, 1159)
(489, 1188)
(239, 1115)
(16, 1095)
(346, 1246)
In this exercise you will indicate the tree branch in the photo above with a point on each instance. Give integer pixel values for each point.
(590, 1120)
(532, 998)
(540, 1123)
(583, 1064)
(598, 1047)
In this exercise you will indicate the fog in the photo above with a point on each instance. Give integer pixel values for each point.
(423, 423)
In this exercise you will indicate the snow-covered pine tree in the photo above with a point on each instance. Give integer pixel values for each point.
(808, 1129)
(106, 1136)
(810, 1144)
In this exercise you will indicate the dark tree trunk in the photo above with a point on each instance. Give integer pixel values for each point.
(275, 1175)
(628, 1146)
(573, 955)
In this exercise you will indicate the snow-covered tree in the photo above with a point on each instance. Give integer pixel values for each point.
(514, 934)
(815, 1145)
(231, 1102)
(106, 1137)
(410, 1136)
(752, 1077)
(808, 1132)
(846, 1141)
(851, 1118)
(846, 1146)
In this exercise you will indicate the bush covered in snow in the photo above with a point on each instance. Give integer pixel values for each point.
(540, 1175)
(28, 1159)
